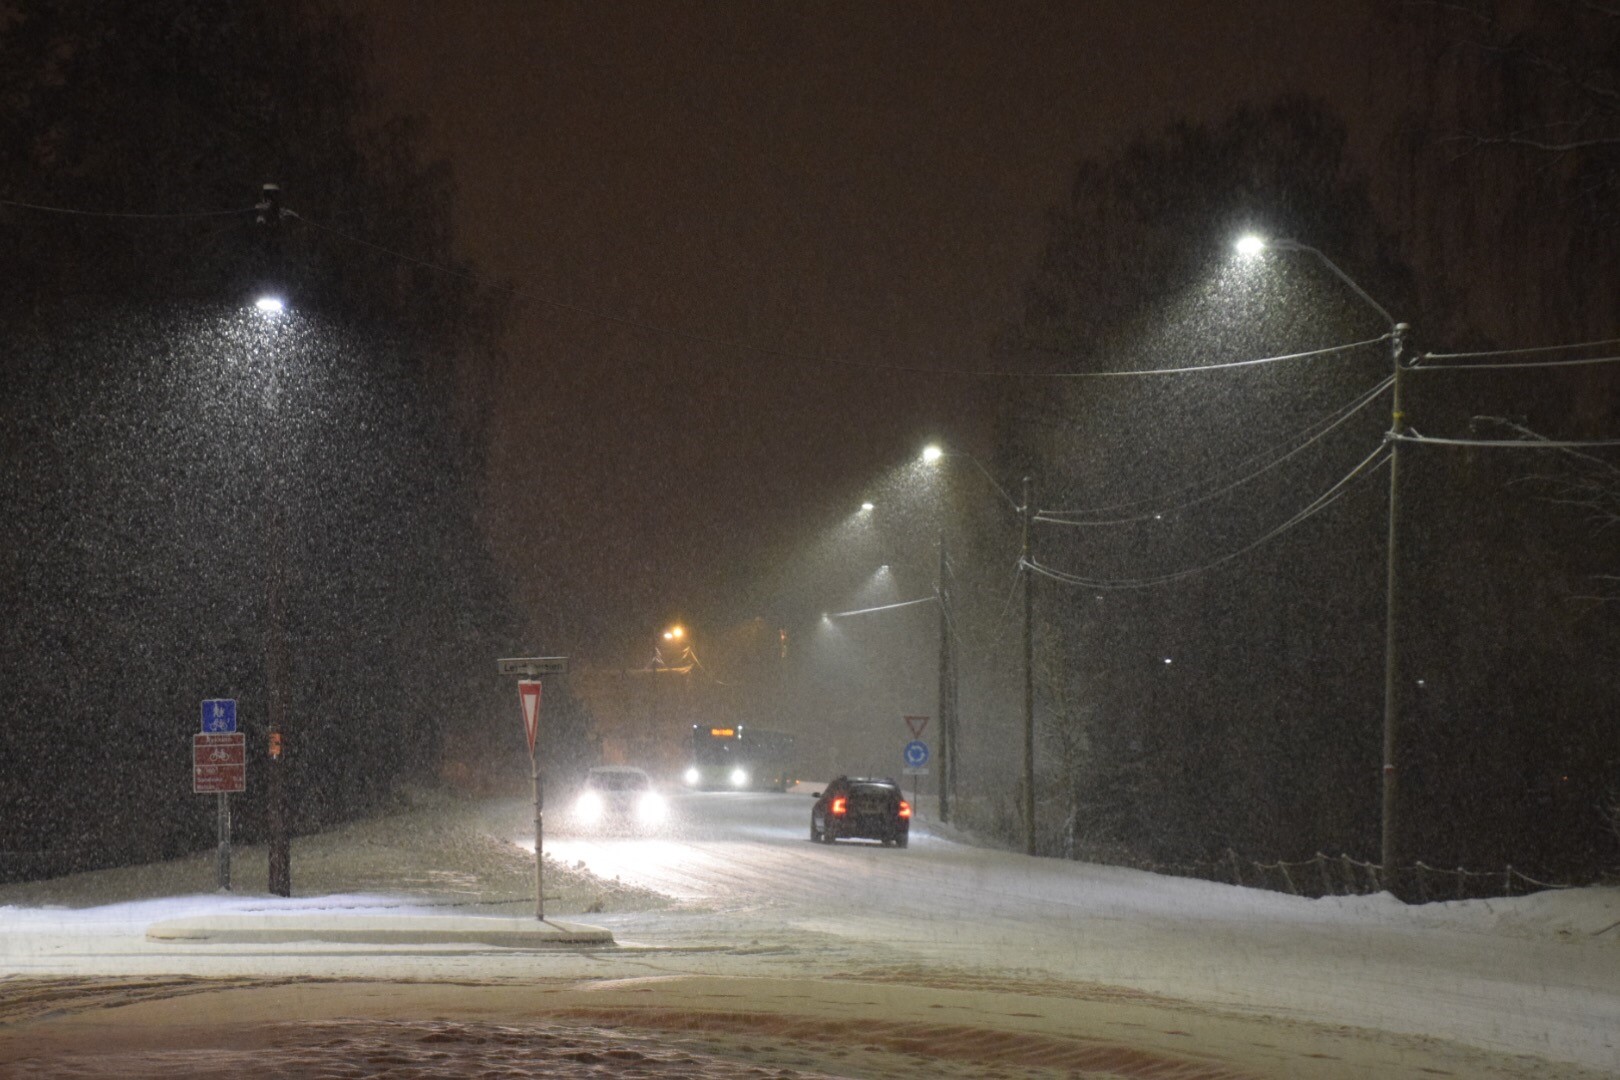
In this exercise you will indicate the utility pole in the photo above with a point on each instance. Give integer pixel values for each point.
(946, 750)
(1026, 561)
(1391, 855)
(280, 869)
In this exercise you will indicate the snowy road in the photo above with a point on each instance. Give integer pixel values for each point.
(801, 951)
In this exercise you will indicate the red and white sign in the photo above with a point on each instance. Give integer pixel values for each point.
(218, 763)
(529, 696)
(917, 724)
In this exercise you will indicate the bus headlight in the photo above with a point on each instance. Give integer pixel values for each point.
(693, 776)
(739, 777)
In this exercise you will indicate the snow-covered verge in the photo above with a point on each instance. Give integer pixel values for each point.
(438, 851)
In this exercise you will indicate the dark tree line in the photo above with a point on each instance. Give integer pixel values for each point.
(1242, 706)
(154, 425)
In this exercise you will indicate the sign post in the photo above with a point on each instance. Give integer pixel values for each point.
(219, 764)
(529, 698)
(915, 756)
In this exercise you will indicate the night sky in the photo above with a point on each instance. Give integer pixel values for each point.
(867, 182)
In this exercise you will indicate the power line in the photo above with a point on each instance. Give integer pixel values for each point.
(884, 607)
(75, 212)
(1585, 361)
(1213, 367)
(1521, 351)
(1508, 444)
(1052, 518)
(1320, 503)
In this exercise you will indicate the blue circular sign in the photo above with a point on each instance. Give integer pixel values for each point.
(916, 753)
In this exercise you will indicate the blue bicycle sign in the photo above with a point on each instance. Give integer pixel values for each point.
(219, 716)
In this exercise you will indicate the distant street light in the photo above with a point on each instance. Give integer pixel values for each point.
(1390, 854)
(867, 507)
(270, 305)
(932, 454)
(675, 633)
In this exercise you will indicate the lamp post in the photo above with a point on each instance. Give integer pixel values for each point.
(280, 872)
(271, 306)
(950, 764)
(1391, 854)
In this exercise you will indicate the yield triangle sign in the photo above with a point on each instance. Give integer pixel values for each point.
(917, 724)
(529, 696)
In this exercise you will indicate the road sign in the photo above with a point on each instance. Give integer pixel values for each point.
(917, 725)
(218, 763)
(219, 715)
(533, 665)
(529, 698)
(916, 758)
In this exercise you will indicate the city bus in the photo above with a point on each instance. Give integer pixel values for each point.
(739, 758)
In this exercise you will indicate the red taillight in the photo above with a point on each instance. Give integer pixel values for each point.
(905, 809)
(839, 805)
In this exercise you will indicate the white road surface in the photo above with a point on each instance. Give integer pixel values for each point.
(1457, 971)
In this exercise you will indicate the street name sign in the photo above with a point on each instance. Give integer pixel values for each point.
(533, 666)
(218, 763)
(219, 715)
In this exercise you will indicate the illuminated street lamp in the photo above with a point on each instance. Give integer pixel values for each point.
(1390, 854)
(279, 881)
(931, 454)
(675, 633)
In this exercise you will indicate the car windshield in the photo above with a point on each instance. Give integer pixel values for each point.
(618, 781)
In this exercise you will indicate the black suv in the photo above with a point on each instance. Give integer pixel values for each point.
(861, 806)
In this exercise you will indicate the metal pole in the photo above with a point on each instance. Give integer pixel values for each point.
(539, 832)
(1391, 854)
(280, 861)
(945, 762)
(223, 875)
(1029, 671)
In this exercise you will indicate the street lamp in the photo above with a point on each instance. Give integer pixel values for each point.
(279, 882)
(1390, 853)
(948, 676)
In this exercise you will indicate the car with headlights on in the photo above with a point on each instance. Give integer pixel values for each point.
(619, 798)
(861, 807)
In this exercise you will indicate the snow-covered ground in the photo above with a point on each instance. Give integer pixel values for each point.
(737, 931)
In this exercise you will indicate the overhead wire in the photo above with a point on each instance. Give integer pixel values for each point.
(931, 599)
(1321, 502)
(1061, 517)
(1302, 432)
(1505, 444)
(165, 216)
(1585, 361)
(1522, 351)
